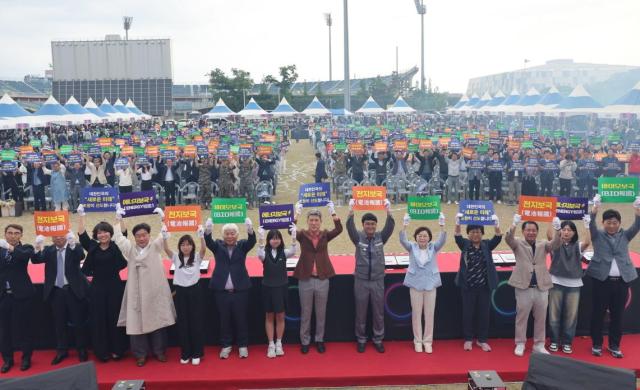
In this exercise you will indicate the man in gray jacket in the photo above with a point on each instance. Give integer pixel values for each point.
(611, 271)
(369, 273)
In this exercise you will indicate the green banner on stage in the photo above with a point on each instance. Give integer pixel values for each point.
(228, 210)
(424, 207)
(618, 189)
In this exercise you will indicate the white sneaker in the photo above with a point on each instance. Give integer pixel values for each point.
(519, 351)
(271, 351)
(540, 349)
(468, 346)
(243, 352)
(484, 346)
(499, 202)
(418, 347)
(224, 352)
(448, 202)
(456, 202)
(279, 350)
(195, 361)
(428, 348)
(184, 361)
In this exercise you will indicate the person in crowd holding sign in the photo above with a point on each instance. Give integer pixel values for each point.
(587, 172)
(495, 168)
(103, 263)
(169, 178)
(275, 283)
(125, 176)
(313, 271)
(548, 172)
(231, 284)
(77, 181)
(37, 180)
(58, 186)
(423, 279)
(475, 168)
(611, 271)
(566, 275)
(189, 295)
(477, 278)
(515, 172)
(454, 166)
(147, 307)
(567, 174)
(146, 172)
(266, 170)
(16, 298)
(97, 177)
(531, 280)
(67, 289)
(321, 171)
(611, 166)
(369, 273)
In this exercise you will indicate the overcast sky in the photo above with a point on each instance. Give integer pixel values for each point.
(463, 38)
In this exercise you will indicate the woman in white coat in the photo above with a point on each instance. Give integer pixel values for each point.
(147, 306)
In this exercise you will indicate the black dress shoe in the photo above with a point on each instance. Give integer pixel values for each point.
(141, 361)
(304, 348)
(83, 356)
(103, 359)
(379, 347)
(6, 366)
(59, 357)
(26, 364)
(320, 346)
(361, 347)
(116, 356)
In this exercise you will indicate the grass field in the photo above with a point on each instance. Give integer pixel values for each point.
(300, 165)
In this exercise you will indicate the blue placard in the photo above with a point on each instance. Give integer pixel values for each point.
(168, 154)
(121, 163)
(571, 208)
(74, 158)
(32, 158)
(95, 151)
(142, 160)
(276, 216)
(314, 195)
(50, 158)
(223, 152)
(8, 166)
(99, 199)
(476, 212)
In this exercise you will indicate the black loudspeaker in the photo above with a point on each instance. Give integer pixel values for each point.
(79, 377)
(129, 385)
(549, 372)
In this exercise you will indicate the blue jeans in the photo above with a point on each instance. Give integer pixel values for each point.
(563, 313)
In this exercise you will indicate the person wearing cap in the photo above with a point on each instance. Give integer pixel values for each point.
(313, 271)
(369, 273)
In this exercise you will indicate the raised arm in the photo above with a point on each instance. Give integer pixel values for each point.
(631, 232)
(387, 230)
(351, 229)
(337, 229)
(442, 238)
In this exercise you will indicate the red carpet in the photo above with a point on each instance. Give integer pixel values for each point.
(341, 365)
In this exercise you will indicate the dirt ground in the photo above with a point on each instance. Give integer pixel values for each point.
(299, 168)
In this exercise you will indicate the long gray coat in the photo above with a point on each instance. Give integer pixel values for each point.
(147, 304)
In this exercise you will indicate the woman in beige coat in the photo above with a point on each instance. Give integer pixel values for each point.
(147, 306)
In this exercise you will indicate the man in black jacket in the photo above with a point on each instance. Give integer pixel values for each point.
(16, 293)
(66, 287)
(169, 177)
(231, 284)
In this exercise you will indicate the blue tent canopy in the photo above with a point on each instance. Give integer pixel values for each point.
(92, 107)
(631, 98)
(52, 107)
(464, 99)
(552, 97)
(10, 109)
(284, 108)
(107, 108)
(532, 97)
(578, 99)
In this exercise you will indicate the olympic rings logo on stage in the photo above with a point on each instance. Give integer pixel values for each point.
(396, 316)
(292, 318)
(495, 306)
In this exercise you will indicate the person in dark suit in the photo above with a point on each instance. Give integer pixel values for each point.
(16, 294)
(37, 180)
(321, 171)
(66, 287)
(168, 177)
(231, 284)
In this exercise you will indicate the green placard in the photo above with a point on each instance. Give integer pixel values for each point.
(8, 155)
(424, 207)
(618, 189)
(558, 134)
(340, 147)
(575, 140)
(484, 148)
(413, 148)
(613, 138)
(235, 149)
(228, 210)
(526, 145)
(138, 151)
(595, 140)
(36, 143)
(66, 149)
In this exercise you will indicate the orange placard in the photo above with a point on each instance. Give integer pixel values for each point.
(356, 148)
(105, 141)
(25, 149)
(120, 142)
(190, 151)
(152, 151)
(197, 138)
(623, 157)
(51, 223)
(467, 152)
(400, 146)
(268, 138)
(537, 208)
(514, 145)
(426, 144)
(369, 197)
(384, 133)
(126, 151)
(183, 218)
(264, 150)
(599, 156)
(380, 146)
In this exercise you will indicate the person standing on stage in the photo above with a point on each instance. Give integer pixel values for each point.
(66, 287)
(477, 278)
(103, 263)
(189, 295)
(275, 283)
(16, 294)
(231, 284)
(369, 273)
(531, 281)
(147, 307)
(611, 271)
(313, 271)
(423, 279)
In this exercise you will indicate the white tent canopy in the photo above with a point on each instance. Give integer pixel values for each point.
(316, 108)
(579, 102)
(52, 112)
(253, 110)
(284, 109)
(370, 107)
(120, 107)
(82, 114)
(401, 107)
(220, 110)
(132, 107)
(627, 104)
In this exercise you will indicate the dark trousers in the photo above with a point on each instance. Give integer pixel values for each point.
(233, 305)
(142, 344)
(125, 189)
(170, 193)
(474, 189)
(529, 186)
(476, 303)
(189, 307)
(380, 179)
(67, 308)
(495, 187)
(565, 187)
(611, 295)
(39, 202)
(104, 310)
(146, 185)
(15, 315)
(585, 187)
(546, 185)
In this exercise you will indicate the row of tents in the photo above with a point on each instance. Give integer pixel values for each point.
(315, 108)
(579, 102)
(13, 116)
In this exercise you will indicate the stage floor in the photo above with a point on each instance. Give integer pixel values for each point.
(341, 365)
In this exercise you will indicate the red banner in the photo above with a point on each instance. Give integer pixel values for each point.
(51, 223)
